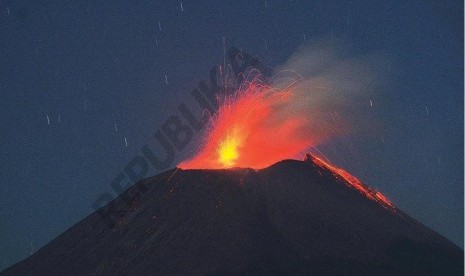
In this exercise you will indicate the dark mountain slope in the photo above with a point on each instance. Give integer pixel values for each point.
(293, 218)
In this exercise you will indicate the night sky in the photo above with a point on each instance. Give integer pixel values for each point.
(84, 85)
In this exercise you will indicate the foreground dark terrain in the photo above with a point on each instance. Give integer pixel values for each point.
(293, 218)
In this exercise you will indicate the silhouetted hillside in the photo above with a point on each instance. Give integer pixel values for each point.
(292, 218)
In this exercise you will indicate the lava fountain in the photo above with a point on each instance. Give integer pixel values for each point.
(255, 128)
(318, 95)
(269, 120)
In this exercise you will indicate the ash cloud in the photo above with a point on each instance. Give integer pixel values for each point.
(334, 88)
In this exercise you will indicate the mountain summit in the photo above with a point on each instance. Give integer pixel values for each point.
(292, 218)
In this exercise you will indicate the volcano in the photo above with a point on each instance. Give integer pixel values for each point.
(292, 218)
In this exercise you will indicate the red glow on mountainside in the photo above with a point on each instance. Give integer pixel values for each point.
(353, 182)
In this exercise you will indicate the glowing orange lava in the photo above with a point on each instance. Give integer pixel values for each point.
(256, 127)
(252, 130)
(353, 182)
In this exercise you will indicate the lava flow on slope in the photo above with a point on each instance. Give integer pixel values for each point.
(352, 181)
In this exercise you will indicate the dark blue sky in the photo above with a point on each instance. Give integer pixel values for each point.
(77, 78)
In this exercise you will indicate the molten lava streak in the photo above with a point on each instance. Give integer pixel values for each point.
(353, 182)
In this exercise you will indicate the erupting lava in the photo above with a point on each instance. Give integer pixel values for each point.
(256, 127)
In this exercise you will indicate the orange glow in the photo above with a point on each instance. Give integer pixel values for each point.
(252, 130)
(353, 182)
(228, 150)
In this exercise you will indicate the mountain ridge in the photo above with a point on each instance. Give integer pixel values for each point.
(291, 218)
